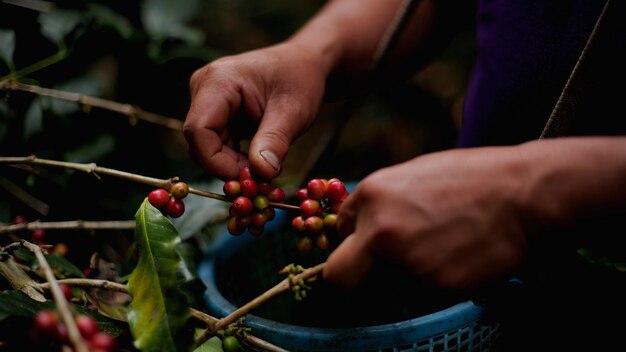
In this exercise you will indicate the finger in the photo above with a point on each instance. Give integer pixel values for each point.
(205, 131)
(348, 265)
(279, 127)
(346, 218)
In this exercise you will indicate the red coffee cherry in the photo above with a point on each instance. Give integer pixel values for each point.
(87, 326)
(249, 188)
(276, 195)
(314, 224)
(335, 191)
(242, 206)
(102, 341)
(180, 190)
(38, 235)
(232, 226)
(46, 320)
(259, 218)
(175, 207)
(298, 223)
(245, 173)
(19, 219)
(243, 221)
(67, 291)
(310, 207)
(316, 188)
(62, 334)
(321, 241)
(232, 189)
(159, 198)
(302, 194)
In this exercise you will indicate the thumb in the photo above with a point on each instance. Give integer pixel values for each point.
(268, 147)
(348, 265)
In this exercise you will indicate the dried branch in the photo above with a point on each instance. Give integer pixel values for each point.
(93, 283)
(95, 170)
(132, 111)
(72, 224)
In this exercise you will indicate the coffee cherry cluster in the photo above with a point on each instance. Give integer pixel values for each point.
(49, 330)
(250, 208)
(170, 202)
(320, 201)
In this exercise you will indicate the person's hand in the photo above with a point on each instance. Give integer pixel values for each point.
(454, 219)
(279, 88)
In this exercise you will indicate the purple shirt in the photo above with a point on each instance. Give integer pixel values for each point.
(526, 51)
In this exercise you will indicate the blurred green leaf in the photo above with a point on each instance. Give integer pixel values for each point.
(33, 119)
(16, 303)
(94, 151)
(56, 261)
(107, 17)
(57, 24)
(7, 46)
(158, 311)
(64, 266)
(164, 19)
(201, 211)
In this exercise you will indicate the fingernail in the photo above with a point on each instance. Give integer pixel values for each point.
(270, 158)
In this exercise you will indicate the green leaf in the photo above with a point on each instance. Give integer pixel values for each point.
(214, 344)
(57, 24)
(33, 119)
(94, 151)
(164, 19)
(7, 46)
(158, 312)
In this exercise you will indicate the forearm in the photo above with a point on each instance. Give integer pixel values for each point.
(573, 178)
(346, 34)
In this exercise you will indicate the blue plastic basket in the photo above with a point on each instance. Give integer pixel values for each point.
(459, 327)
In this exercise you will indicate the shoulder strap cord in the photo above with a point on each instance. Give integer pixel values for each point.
(393, 31)
(558, 122)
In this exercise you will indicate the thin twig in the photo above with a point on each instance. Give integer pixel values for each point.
(71, 224)
(50, 60)
(132, 111)
(26, 198)
(92, 168)
(93, 283)
(279, 288)
(62, 305)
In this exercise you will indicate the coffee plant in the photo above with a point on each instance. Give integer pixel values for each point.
(77, 271)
